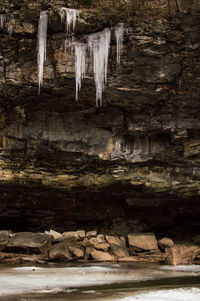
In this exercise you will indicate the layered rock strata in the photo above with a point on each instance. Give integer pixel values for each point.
(130, 166)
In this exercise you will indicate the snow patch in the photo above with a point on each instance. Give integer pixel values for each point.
(182, 268)
(31, 268)
(192, 294)
(57, 291)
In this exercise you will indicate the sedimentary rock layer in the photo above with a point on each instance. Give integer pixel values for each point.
(132, 165)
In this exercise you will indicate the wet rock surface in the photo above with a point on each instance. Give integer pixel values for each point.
(129, 166)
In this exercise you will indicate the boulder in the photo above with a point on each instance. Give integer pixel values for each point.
(101, 256)
(172, 256)
(88, 251)
(60, 252)
(55, 234)
(86, 243)
(182, 254)
(123, 240)
(4, 238)
(71, 235)
(97, 240)
(102, 246)
(115, 240)
(143, 241)
(165, 243)
(28, 242)
(74, 235)
(81, 234)
(101, 237)
(99, 243)
(119, 251)
(76, 250)
(90, 234)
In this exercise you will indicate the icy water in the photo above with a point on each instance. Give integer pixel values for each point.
(100, 282)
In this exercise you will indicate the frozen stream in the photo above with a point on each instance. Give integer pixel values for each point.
(120, 282)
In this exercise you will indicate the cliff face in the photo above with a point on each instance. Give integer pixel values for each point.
(132, 164)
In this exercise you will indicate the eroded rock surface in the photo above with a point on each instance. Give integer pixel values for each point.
(132, 165)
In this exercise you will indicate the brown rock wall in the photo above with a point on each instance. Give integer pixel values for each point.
(131, 165)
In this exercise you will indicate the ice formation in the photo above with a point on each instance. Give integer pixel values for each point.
(10, 30)
(42, 41)
(80, 54)
(2, 20)
(70, 16)
(99, 44)
(119, 33)
(69, 46)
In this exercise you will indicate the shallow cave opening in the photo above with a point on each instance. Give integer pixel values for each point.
(116, 209)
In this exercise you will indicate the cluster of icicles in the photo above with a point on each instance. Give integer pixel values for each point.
(98, 45)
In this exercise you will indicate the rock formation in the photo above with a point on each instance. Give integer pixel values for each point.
(131, 165)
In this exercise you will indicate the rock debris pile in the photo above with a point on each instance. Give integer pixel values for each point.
(85, 246)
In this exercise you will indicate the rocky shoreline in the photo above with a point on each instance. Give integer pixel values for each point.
(81, 246)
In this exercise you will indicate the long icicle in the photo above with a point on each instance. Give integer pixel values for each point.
(99, 45)
(80, 54)
(41, 47)
(119, 34)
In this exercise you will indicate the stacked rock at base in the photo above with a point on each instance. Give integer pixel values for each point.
(85, 246)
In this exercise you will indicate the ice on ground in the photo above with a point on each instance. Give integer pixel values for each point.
(192, 294)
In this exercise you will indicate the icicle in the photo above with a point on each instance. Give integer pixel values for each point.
(2, 20)
(69, 45)
(42, 40)
(119, 33)
(70, 16)
(80, 53)
(99, 44)
(10, 30)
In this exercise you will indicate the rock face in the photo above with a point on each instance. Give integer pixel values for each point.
(132, 165)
